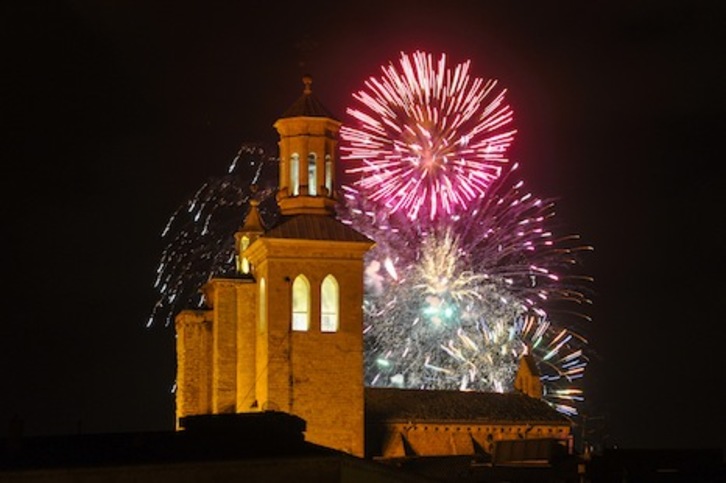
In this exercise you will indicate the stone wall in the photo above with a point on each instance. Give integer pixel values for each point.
(194, 363)
(439, 439)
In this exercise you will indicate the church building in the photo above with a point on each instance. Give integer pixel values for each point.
(286, 333)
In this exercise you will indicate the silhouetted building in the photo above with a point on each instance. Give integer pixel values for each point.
(261, 447)
(657, 466)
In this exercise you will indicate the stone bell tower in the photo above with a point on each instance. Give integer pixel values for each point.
(287, 334)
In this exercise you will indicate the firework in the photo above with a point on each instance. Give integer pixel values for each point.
(199, 235)
(428, 139)
(467, 274)
(456, 304)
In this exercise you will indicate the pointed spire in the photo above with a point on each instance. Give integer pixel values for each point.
(251, 229)
(253, 220)
(307, 105)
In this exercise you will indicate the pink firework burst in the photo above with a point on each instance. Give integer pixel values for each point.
(427, 139)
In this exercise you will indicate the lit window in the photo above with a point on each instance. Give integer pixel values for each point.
(329, 305)
(295, 174)
(244, 243)
(329, 174)
(300, 303)
(263, 305)
(312, 175)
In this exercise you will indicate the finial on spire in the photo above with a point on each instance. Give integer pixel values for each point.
(253, 221)
(254, 200)
(307, 80)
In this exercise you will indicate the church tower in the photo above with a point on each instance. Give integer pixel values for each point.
(287, 333)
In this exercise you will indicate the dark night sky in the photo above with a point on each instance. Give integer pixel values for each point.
(115, 112)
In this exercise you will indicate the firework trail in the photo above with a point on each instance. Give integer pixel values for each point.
(429, 139)
(199, 235)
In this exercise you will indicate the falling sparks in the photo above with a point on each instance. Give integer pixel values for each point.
(199, 235)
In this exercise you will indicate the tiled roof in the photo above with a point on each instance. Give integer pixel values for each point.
(387, 404)
(307, 105)
(314, 227)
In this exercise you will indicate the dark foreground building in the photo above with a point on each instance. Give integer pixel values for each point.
(270, 446)
(267, 446)
(657, 465)
(262, 447)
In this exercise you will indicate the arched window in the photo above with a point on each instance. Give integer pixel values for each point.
(329, 305)
(295, 174)
(329, 174)
(300, 303)
(312, 174)
(245, 264)
(263, 305)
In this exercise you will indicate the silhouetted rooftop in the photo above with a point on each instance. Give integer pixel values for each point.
(208, 438)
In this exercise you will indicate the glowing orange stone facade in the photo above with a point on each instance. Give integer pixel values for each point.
(241, 353)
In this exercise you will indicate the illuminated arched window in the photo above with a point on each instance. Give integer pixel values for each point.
(300, 303)
(329, 174)
(263, 305)
(312, 174)
(245, 264)
(295, 174)
(329, 305)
